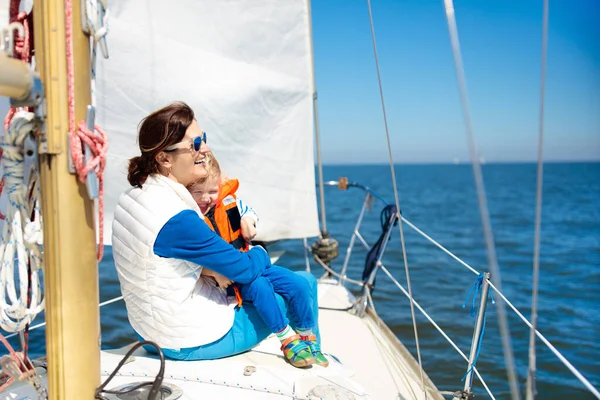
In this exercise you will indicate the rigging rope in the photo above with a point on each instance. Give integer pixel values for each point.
(531, 390)
(566, 362)
(420, 232)
(571, 368)
(437, 327)
(96, 140)
(562, 358)
(337, 275)
(557, 353)
(483, 208)
(41, 324)
(396, 197)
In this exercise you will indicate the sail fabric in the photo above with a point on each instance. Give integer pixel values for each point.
(244, 66)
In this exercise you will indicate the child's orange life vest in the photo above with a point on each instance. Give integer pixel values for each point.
(225, 219)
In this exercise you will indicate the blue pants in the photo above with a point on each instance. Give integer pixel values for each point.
(249, 328)
(294, 289)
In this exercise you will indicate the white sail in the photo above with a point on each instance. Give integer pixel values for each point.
(244, 66)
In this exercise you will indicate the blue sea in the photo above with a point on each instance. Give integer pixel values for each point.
(441, 200)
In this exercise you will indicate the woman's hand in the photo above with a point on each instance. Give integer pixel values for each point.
(220, 279)
(248, 227)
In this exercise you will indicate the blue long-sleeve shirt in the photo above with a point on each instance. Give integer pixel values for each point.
(186, 236)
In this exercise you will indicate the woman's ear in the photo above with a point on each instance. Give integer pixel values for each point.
(163, 160)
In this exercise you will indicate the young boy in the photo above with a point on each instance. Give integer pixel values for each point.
(231, 219)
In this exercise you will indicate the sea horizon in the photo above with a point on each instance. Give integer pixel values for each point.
(486, 162)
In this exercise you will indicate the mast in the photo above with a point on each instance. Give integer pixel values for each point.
(70, 270)
(324, 232)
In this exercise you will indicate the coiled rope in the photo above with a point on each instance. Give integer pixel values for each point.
(20, 244)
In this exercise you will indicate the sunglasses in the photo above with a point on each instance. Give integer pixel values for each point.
(195, 143)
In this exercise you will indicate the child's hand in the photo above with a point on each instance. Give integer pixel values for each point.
(248, 227)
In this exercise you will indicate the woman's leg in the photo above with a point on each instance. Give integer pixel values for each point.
(248, 330)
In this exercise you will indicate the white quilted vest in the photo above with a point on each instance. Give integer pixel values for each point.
(165, 301)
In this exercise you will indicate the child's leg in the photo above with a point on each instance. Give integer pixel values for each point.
(261, 293)
(312, 282)
(297, 292)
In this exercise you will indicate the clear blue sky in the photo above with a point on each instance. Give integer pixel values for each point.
(501, 48)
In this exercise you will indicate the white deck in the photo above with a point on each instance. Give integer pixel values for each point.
(384, 367)
(374, 365)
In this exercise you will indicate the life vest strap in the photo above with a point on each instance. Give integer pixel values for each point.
(239, 243)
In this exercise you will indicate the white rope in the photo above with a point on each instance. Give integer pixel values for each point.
(337, 275)
(396, 197)
(473, 270)
(562, 358)
(20, 244)
(531, 390)
(416, 229)
(440, 330)
(110, 301)
(483, 208)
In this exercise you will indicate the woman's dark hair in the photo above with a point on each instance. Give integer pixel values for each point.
(157, 131)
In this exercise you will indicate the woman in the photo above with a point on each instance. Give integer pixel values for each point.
(160, 243)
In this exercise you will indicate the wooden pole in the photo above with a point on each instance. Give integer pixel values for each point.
(70, 268)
